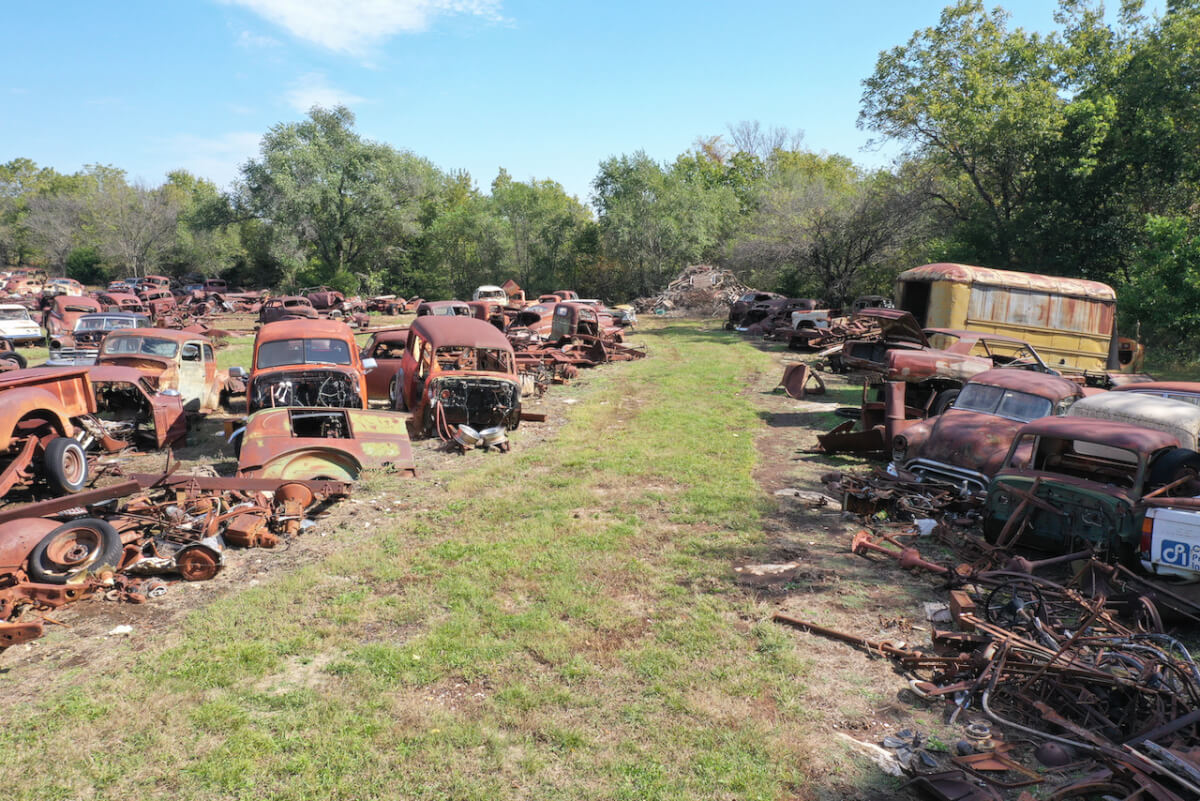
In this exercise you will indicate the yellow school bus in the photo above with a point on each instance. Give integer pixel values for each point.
(1071, 322)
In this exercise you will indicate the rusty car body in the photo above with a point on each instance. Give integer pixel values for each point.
(443, 308)
(121, 302)
(577, 321)
(537, 320)
(64, 310)
(1079, 482)
(39, 408)
(306, 363)
(323, 443)
(181, 361)
(62, 286)
(935, 362)
(133, 410)
(81, 346)
(159, 302)
(740, 307)
(386, 348)
(966, 444)
(288, 307)
(460, 371)
(1186, 391)
(490, 311)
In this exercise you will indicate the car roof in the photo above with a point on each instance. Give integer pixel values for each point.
(1113, 434)
(1046, 385)
(465, 331)
(304, 329)
(162, 333)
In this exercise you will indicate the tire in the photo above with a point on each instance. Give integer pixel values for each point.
(13, 356)
(65, 465)
(945, 400)
(1174, 465)
(78, 547)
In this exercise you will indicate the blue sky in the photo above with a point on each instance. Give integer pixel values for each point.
(543, 89)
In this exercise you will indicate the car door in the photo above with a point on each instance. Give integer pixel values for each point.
(192, 383)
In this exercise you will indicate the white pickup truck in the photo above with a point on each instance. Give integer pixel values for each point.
(1170, 544)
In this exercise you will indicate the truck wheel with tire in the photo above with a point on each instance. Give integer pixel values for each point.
(65, 465)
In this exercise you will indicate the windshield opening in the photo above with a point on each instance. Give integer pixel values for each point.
(15, 314)
(140, 345)
(1008, 403)
(303, 351)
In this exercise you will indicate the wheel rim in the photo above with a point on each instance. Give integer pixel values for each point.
(73, 550)
(74, 465)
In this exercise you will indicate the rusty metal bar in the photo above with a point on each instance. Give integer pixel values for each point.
(223, 484)
(78, 500)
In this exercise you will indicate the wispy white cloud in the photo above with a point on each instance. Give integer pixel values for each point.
(255, 41)
(354, 26)
(217, 158)
(313, 89)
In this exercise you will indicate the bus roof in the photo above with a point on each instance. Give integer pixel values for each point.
(1050, 284)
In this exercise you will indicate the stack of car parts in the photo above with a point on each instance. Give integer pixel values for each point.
(149, 526)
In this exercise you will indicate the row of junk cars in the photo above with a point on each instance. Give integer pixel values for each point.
(1050, 489)
(319, 410)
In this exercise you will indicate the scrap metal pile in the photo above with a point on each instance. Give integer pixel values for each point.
(134, 534)
(1069, 665)
(700, 289)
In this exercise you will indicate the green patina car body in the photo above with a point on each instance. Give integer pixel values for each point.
(1091, 476)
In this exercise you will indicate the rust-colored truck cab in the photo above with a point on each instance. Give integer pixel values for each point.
(310, 363)
(182, 361)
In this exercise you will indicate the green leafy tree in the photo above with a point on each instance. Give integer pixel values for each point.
(979, 101)
(353, 205)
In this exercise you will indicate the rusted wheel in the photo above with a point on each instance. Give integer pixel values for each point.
(197, 564)
(1146, 616)
(66, 465)
(72, 550)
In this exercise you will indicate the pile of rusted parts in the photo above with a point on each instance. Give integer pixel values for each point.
(125, 542)
(1066, 674)
(699, 289)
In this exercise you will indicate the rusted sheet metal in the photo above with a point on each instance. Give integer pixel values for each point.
(312, 443)
(796, 378)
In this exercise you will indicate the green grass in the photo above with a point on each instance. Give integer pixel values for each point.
(557, 623)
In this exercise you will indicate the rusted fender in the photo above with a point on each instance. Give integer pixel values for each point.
(18, 538)
(795, 380)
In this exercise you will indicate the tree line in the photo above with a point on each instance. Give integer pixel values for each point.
(1074, 152)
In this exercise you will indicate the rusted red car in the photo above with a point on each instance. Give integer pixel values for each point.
(490, 311)
(934, 362)
(323, 443)
(966, 444)
(537, 319)
(573, 320)
(65, 310)
(179, 361)
(158, 302)
(307, 363)
(458, 371)
(741, 306)
(386, 349)
(288, 307)
(443, 308)
(121, 302)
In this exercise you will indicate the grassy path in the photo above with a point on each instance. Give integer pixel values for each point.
(558, 623)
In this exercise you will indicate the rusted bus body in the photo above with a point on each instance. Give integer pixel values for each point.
(323, 443)
(460, 370)
(968, 443)
(1071, 321)
(182, 361)
(306, 363)
(387, 349)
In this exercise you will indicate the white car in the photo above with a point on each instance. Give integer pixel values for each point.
(17, 326)
(489, 292)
